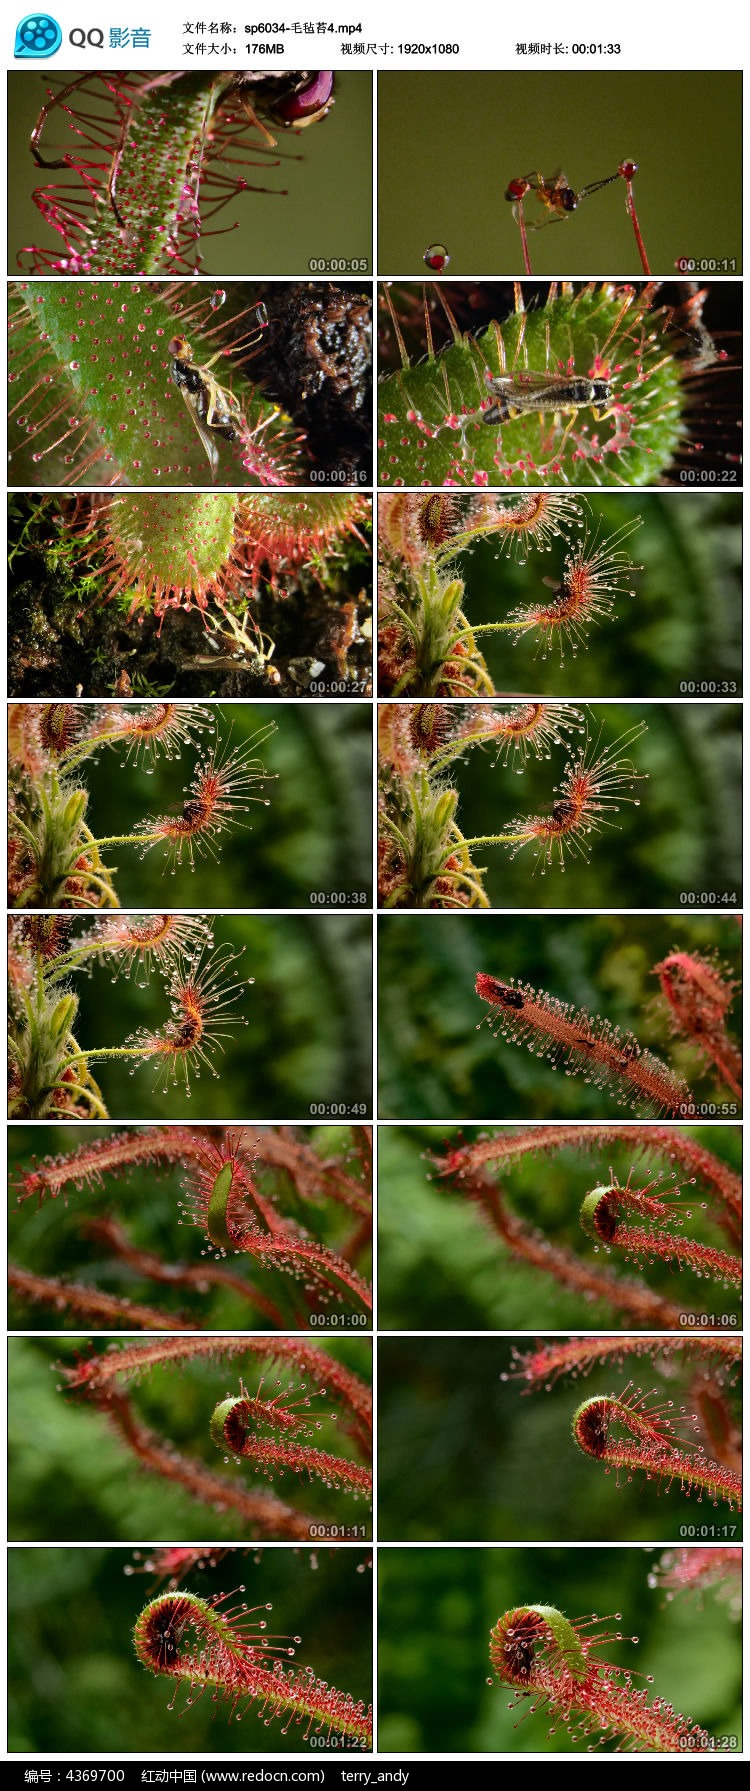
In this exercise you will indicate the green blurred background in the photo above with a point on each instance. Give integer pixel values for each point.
(54, 1238)
(683, 624)
(308, 1032)
(450, 143)
(441, 1269)
(660, 845)
(76, 1687)
(436, 1059)
(314, 837)
(75, 1480)
(438, 1606)
(443, 1402)
(320, 205)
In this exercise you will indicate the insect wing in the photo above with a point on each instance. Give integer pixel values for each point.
(191, 399)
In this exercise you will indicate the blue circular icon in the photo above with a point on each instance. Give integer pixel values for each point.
(38, 35)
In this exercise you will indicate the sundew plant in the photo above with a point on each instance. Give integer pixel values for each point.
(637, 1657)
(425, 860)
(554, 592)
(648, 1437)
(589, 1017)
(191, 1228)
(427, 644)
(55, 859)
(264, 1648)
(265, 1438)
(152, 383)
(132, 592)
(568, 385)
(136, 170)
(203, 996)
(697, 995)
(653, 1244)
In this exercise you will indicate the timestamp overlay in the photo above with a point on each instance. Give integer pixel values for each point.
(376, 855)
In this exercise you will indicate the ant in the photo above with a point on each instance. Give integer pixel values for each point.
(559, 199)
(213, 410)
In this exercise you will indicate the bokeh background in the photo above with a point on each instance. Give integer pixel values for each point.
(307, 1038)
(75, 1480)
(320, 203)
(449, 144)
(658, 848)
(438, 1606)
(682, 626)
(441, 1269)
(446, 1401)
(55, 1237)
(75, 1685)
(314, 838)
(438, 1061)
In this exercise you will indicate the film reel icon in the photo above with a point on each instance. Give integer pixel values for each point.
(37, 35)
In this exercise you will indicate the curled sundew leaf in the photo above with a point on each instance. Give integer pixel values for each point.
(237, 1423)
(248, 1190)
(630, 1433)
(603, 1219)
(205, 1643)
(554, 1665)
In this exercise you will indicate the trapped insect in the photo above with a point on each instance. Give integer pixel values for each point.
(214, 410)
(516, 394)
(559, 199)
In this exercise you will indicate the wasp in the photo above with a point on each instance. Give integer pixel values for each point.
(214, 411)
(557, 195)
(517, 394)
(558, 198)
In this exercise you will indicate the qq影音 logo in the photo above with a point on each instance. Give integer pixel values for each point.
(37, 35)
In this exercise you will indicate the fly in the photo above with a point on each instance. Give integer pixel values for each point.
(214, 411)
